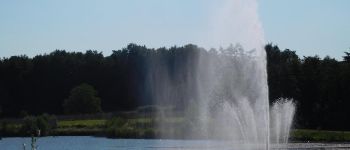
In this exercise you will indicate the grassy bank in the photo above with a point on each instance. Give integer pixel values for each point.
(79, 127)
(145, 128)
(304, 135)
(142, 128)
(114, 128)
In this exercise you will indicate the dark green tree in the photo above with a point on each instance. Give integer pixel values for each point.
(44, 123)
(347, 56)
(82, 100)
(319, 86)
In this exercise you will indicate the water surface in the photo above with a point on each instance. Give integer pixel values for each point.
(100, 143)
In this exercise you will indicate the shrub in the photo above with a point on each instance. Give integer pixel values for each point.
(82, 100)
(29, 125)
(7, 129)
(45, 123)
(115, 122)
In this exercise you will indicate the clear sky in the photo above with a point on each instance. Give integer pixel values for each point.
(309, 27)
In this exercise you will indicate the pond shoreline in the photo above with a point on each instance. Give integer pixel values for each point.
(143, 128)
(49, 141)
(297, 136)
(94, 143)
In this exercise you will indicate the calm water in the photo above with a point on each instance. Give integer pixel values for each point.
(96, 143)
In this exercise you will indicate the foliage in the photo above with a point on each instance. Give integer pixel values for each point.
(319, 86)
(45, 123)
(81, 123)
(8, 129)
(82, 100)
(319, 136)
(122, 128)
(41, 84)
(145, 128)
(347, 56)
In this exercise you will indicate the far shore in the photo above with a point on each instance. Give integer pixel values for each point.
(132, 130)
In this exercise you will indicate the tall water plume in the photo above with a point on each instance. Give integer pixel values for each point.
(221, 94)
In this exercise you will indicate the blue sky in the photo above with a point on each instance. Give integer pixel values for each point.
(309, 27)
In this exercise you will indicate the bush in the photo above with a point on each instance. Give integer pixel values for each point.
(133, 128)
(115, 122)
(29, 125)
(7, 129)
(149, 133)
(45, 123)
(82, 100)
(114, 125)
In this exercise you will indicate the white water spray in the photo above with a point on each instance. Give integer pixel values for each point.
(223, 94)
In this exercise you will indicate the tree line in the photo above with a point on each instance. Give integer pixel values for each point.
(319, 86)
(44, 83)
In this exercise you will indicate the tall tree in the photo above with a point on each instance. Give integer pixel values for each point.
(347, 56)
(82, 100)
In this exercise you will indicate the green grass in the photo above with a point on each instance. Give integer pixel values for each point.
(319, 135)
(128, 128)
(77, 131)
(144, 127)
(81, 123)
(10, 129)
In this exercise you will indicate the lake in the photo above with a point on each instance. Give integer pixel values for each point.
(100, 143)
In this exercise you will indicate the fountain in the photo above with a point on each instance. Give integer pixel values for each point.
(222, 94)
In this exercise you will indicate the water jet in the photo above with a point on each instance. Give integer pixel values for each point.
(223, 94)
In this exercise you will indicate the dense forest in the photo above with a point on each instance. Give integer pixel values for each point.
(320, 87)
